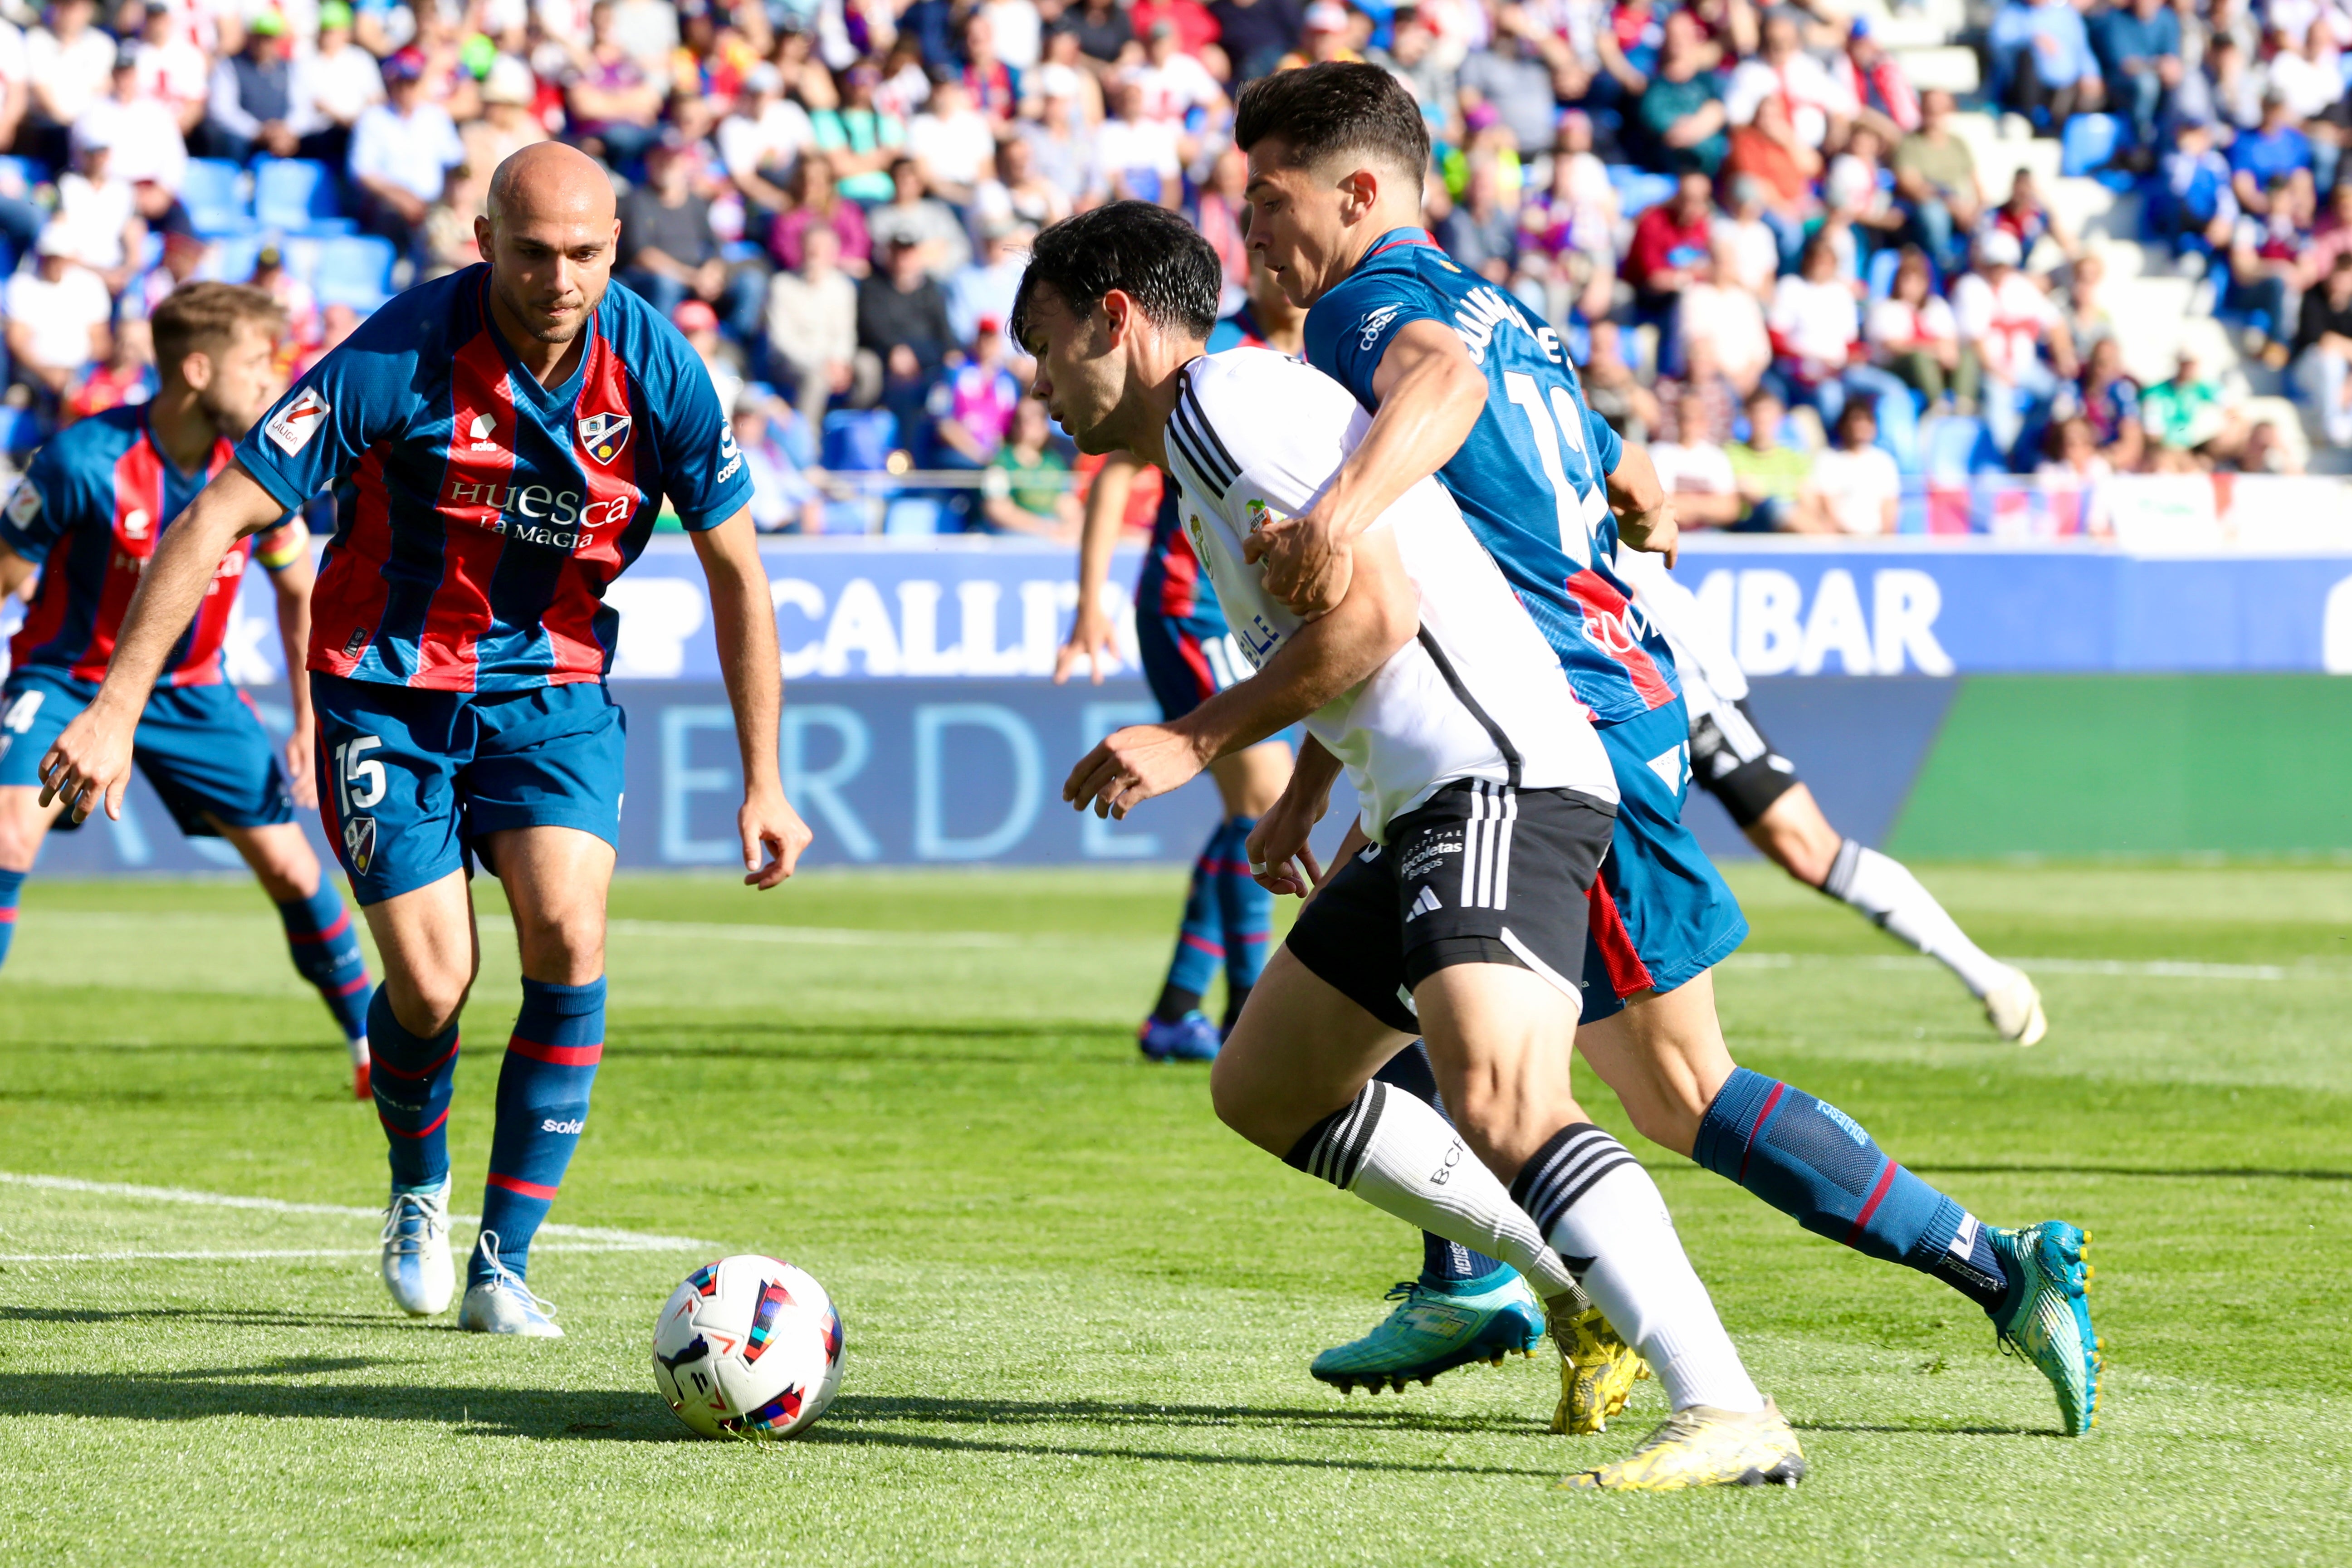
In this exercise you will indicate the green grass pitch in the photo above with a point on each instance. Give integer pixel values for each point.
(1080, 1312)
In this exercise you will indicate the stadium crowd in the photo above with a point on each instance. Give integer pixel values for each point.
(1775, 257)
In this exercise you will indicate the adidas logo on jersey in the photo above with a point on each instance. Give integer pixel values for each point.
(1422, 905)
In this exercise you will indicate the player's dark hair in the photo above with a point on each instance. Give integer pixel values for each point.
(203, 318)
(1141, 248)
(1339, 106)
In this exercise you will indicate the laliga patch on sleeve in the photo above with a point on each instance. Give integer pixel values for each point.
(292, 426)
(25, 505)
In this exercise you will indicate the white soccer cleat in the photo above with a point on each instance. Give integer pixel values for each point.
(360, 1088)
(503, 1304)
(417, 1251)
(2013, 1007)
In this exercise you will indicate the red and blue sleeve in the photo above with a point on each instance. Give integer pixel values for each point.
(346, 403)
(41, 508)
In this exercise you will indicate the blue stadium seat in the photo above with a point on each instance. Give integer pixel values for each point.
(215, 203)
(2091, 142)
(912, 514)
(233, 259)
(1638, 190)
(20, 431)
(858, 440)
(30, 170)
(297, 195)
(1883, 267)
(1898, 430)
(355, 271)
(1953, 447)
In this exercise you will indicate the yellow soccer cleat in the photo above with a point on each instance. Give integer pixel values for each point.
(1597, 1371)
(1703, 1446)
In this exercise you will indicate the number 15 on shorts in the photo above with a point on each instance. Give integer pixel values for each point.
(359, 782)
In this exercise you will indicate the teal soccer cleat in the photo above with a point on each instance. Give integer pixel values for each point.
(2047, 1318)
(1436, 1328)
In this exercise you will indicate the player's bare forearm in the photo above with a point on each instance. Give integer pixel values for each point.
(1090, 630)
(742, 615)
(1646, 512)
(17, 575)
(293, 582)
(1431, 395)
(1321, 660)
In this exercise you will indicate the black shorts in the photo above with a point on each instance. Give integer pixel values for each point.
(1479, 873)
(1732, 761)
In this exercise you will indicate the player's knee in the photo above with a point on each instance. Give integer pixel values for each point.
(287, 869)
(427, 1003)
(563, 949)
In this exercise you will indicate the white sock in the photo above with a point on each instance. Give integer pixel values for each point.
(1604, 1216)
(1393, 1151)
(1885, 890)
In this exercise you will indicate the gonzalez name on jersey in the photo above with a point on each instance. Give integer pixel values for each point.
(479, 516)
(1531, 478)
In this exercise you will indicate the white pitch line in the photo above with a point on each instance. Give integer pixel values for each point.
(2151, 969)
(619, 1239)
(831, 936)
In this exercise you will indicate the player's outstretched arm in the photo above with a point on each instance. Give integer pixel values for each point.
(1644, 509)
(17, 574)
(1431, 395)
(1321, 660)
(1090, 633)
(90, 763)
(745, 619)
(1281, 856)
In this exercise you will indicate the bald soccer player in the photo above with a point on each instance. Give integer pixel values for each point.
(501, 440)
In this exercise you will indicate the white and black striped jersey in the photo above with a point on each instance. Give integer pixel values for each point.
(1479, 694)
(1711, 678)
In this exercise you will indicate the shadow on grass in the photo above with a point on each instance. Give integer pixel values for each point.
(2213, 1174)
(233, 1317)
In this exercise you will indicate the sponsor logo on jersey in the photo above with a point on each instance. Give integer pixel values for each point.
(482, 433)
(292, 426)
(25, 505)
(1375, 323)
(561, 520)
(606, 434)
(1260, 514)
(1425, 859)
(732, 456)
(359, 842)
(135, 523)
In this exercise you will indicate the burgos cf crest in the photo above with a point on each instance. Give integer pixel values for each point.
(604, 435)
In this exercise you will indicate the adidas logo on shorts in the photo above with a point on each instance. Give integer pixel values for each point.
(1422, 905)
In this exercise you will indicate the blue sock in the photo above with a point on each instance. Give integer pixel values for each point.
(1200, 947)
(326, 949)
(1813, 1162)
(412, 1082)
(11, 883)
(1248, 916)
(1442, 1262)
(550, 1062)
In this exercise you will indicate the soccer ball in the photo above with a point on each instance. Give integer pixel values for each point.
(748, 1347)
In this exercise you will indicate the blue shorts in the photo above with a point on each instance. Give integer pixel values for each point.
(410, 782)
(203, 748)
(1186, 659)
(1662, 915)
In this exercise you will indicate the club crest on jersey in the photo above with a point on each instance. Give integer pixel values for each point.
(292, 426)
(359, 842)
(25, 505)
(604, 435)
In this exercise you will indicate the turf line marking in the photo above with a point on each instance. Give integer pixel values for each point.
(618, 1240)
(829, 936)
(2150, 969)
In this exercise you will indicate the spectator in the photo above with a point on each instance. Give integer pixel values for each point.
(1027, 489)
(1255, 34)
(2011, 323)
(902, 319)
(1176, 85)
(1412, 56)
(2265, 452)
(2187, 415)
(1815, 327)
(1323, 36)
(698, 324)
(1015, 193)
(1697, 472)
(173, 69)
(294, 297)
(2266, 260)
(2323, 351)
(1717, 310)
(1518, 75)
(1611, 388)
(1913, 336)
(1058, 145)
(983, 289)
(337, 83)
(143, 134)
(2109, 401)
(2276, 147)
(1101, 27)
(1877, 83)
(668, 252)
(858, 139)
(1816, 106)
(818, 204)
(1755, 248)
(614, 95)
(1702, 387)
(127, 375)
(1682, 112)
(2196, 202)
(952, 142)
(2232, 86)
(929, 222)
(761, 140)
(1575, 221)
(2138, 46)
(2024, 217)
(252, 106)
(184, 254)
(1768, 151)
(972, 407)
(66, 63)
(2088, 316)
(507, 124)
(1136, 154)
(1481, 233)
(813, 329)
(1669, 241)
(402, 152)
(57, 312)
(1854, 488)
(98, 215)
(2071, 458)
(1935, 174)
(780, 453)
(2044, 50)
(1770, 475)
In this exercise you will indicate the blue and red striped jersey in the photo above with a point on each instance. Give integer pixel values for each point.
(479, 516)
(90, 510)
(1531, 479)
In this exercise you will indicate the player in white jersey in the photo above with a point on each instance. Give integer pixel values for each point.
(1488, 801)
(1731, 759)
